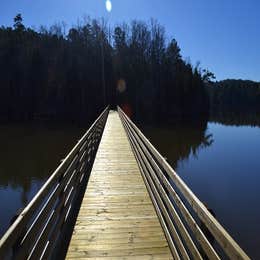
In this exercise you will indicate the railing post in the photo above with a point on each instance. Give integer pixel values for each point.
(159, 177)
(37, 229)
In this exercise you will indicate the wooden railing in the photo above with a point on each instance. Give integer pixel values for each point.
(183, 216)
(36, 231)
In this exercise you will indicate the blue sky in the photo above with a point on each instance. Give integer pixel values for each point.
(224, 35)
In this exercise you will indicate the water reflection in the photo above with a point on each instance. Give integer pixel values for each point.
(178, 141)
(237, 118)
(220, 163)
(29, 154)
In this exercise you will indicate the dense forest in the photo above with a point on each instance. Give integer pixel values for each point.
(72, 74)
(235, 102)
(235, 95)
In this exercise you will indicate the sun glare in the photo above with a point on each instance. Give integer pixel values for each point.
(108, 5)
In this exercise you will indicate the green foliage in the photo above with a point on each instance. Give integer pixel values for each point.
(49, 74)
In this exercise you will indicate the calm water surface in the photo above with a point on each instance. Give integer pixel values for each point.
(29, 154)
(220, 163)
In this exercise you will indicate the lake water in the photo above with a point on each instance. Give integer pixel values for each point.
(29, 154)
(220, 163)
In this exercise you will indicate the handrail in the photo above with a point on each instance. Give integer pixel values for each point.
(176, 206)
(37, 229)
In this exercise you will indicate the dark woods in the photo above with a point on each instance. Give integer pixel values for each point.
(49, 75)
(159, 84)
(235, 102)
(71, 75)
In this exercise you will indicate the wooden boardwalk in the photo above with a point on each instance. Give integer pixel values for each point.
(117, 219)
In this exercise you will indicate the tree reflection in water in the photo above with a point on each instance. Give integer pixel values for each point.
(178, 141)
(29, 154)
(236, 118)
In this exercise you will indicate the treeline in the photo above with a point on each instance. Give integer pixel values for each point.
(72, 74)
(235, 95)
(160, 84)
(235, 101)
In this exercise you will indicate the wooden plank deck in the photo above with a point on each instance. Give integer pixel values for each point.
(117, 219)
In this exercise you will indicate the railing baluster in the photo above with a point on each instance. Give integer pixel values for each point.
(37, 228)
(192, 224)
(36, 231)
(157, 173)
(147, 168)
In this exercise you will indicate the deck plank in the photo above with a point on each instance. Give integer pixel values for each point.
(117, 219)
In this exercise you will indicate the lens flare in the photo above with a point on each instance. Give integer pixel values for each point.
(108, 5)
(121, 85)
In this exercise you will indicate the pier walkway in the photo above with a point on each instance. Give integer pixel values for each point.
(115, 197)
(117, 219)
